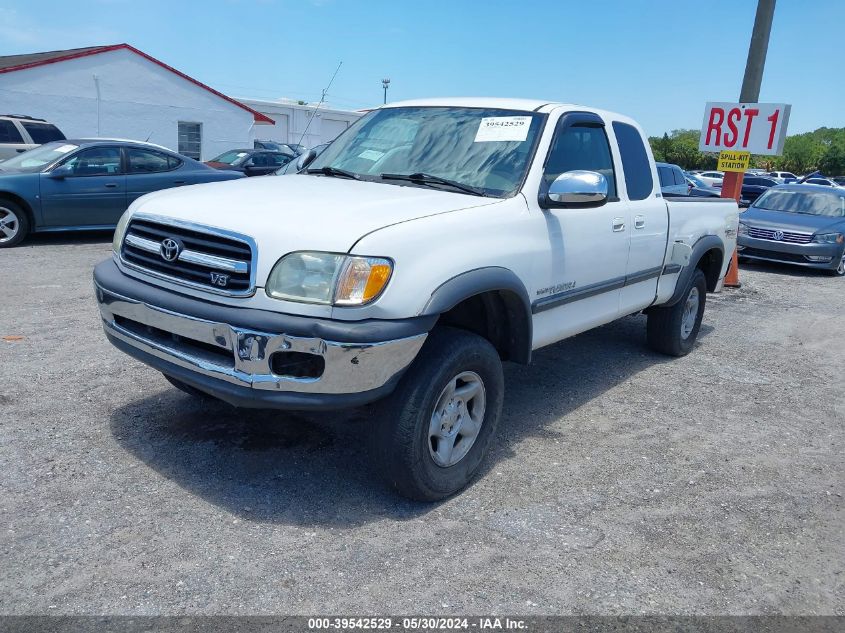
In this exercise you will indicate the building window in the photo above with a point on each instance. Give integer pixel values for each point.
(190, 139)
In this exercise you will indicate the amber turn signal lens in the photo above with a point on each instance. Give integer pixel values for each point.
(362, 280)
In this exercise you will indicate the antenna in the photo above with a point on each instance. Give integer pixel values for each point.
(322, 98)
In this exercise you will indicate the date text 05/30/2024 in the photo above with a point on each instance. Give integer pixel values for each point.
(418, 623)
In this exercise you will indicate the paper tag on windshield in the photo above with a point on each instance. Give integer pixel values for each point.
(241, 154)
(371, 154)
(64, 149)
(503, 128)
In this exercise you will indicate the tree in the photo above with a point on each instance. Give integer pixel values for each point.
(822, 149)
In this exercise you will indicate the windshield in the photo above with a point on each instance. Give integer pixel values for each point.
(482, 148)
(38, 158)
(697, 181)
(830, 204)
(232, 157)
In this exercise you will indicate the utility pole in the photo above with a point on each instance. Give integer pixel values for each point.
(750, 93)
(385, 84)
(757, 52)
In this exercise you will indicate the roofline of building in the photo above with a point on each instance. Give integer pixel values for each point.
(293, 104)
(259, 118)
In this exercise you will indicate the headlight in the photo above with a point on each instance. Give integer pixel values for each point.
(742, 229)
(120, 231)
(329, 278)
(829, 238)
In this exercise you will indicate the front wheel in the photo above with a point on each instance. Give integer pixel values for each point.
(437, 426)
(14, 223)
(839, 271)
(672, 330)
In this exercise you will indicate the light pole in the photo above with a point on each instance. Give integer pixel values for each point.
(385, 83)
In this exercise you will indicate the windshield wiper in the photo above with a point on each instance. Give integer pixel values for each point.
(429, 179)
(328, 170)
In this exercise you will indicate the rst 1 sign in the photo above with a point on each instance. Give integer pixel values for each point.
(759, 128)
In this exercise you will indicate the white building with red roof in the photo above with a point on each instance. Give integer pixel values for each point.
(120, 91)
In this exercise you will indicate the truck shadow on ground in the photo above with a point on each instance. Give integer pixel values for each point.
(315, 468)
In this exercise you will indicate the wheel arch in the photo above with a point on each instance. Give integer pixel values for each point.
(23, 204)
(492, 302)
(708, 255)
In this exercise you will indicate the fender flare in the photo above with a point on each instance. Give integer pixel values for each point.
(704, 244)
(489, 279)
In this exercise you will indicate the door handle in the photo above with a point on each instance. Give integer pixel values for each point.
(639, 221)
(111, 185)
(20, 151)
(618, 224)
(178, 182)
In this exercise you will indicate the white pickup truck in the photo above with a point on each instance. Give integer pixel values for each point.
(427, 244)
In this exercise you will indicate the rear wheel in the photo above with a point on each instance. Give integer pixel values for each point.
(437, 426)
(14, 223)
(672, 330)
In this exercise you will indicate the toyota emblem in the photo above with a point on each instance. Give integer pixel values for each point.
(170, 249)
(777, 235)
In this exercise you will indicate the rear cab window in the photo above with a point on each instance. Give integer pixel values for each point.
(638, 178)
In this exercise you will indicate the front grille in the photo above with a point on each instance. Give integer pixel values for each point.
(206, 259)
(788, 236)
(783, 257)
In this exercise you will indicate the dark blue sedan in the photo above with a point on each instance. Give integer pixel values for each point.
(87, 184)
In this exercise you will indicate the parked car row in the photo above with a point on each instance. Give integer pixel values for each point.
(19, 133)
(87, 184)
(252, 162)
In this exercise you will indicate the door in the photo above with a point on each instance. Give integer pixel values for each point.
(649, 220)
(148, 170)
(90, 192)
(584, 268)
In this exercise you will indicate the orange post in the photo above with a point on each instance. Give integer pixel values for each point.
(732, 188)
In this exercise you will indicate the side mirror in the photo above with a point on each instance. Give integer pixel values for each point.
(577, 188)
(305, 159)
(61, 172)
(744, 204)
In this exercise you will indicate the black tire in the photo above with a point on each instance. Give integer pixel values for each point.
(839, 271)
(665, 329)
(185, 388)
(13, 216)
(402, 442)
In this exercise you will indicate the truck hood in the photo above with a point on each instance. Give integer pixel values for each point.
(298, 212)
(798, 222)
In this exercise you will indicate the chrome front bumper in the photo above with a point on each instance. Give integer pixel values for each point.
(243, 357)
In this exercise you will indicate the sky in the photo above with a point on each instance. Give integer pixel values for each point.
(657, 61)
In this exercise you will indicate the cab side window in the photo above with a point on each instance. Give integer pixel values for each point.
(580, 147)
(96, 161)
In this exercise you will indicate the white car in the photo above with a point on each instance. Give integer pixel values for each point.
(429, 243)
(712, 178)
(20, 133)
(783, 177)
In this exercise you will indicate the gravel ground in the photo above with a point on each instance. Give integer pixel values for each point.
(623, 482)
